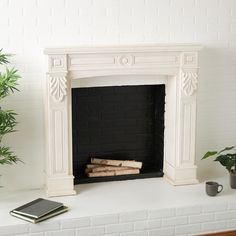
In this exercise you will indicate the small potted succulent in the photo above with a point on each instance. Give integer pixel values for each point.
(227, 158)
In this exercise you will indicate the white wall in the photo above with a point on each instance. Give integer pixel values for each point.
(28, 26)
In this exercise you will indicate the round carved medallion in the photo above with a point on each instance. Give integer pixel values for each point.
(126, 60)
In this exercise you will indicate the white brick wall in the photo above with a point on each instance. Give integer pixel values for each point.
(180, 220)
(134, 216)
(105, 220)
(44, 227)
(187, 224)
(92, 231)
(75, 223)
(120, 228)
(27, 27)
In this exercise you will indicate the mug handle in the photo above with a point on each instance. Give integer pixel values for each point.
(219, 185)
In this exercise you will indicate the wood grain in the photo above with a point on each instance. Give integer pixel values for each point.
(228, 233)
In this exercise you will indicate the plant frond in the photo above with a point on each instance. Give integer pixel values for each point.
(8, 85)
(8, 82)
(7, 156)
(209, 154)
(3, 58)
(226, 149)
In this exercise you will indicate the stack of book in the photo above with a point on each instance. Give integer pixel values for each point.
(39, 210)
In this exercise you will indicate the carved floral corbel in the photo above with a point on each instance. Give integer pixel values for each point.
(189, 82)
(57, 87)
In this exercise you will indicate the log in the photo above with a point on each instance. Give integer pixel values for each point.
(133, 164)
(87, 170)
(109, 168)
(90, 166)
(114, 173)
(100, 168)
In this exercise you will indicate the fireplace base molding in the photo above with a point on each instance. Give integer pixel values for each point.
(54, 186)
(178, 64)
(180, 176)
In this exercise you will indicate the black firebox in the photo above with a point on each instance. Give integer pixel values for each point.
(119, 122)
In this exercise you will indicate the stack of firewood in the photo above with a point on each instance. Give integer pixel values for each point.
(105, 167)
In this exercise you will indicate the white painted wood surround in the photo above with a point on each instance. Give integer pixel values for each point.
(174, 65)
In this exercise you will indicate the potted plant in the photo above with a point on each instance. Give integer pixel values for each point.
(227, 158)
(8, 84)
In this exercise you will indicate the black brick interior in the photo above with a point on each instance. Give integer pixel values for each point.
(120, 122)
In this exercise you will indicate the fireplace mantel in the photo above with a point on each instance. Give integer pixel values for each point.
(178, 63)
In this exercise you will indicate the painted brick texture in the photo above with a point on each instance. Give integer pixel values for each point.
(27, 27)
(136, 223)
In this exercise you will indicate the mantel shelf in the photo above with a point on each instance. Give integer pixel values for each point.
(124, 48)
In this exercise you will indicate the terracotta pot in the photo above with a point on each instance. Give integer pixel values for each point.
(233, 179)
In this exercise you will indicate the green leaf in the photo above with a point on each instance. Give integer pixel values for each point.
(230, 165)
(223, 159)
(3, 58)
(227, 160)
(226, 149)
(7, 156)
(8, 85)
(7, 121)
(208, 154)
(8, 82)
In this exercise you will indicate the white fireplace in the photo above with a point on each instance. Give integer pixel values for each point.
(176, 66)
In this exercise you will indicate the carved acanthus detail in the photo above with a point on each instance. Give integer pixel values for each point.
(58, 87)
(189, 82)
